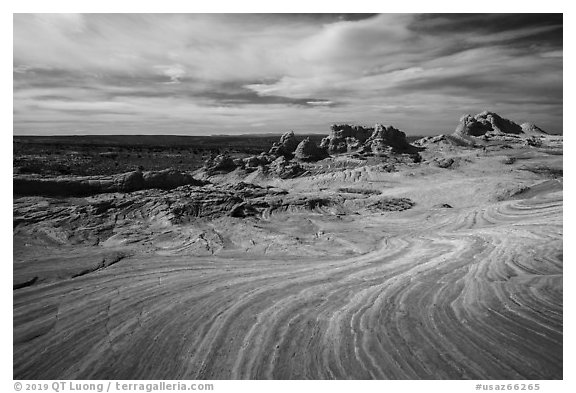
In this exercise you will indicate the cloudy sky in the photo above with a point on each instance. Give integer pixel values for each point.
(262, 73)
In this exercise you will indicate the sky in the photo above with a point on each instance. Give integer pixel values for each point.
(202, 74)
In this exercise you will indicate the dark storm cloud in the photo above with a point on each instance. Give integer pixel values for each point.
(486, 23)
(546, 28)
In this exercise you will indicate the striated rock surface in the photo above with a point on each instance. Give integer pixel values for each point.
(470, 293)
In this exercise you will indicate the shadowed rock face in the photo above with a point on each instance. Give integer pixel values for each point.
(91, 185)
(308, 151)
(469, 126)
(286, 145)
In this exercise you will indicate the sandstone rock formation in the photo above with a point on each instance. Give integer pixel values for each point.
(286, 169)
(532, 129)
(308, 151)
(91, 185)
(387, 139)
(168, 179)
(377, 140)
(344, 138)
(254, 162)
(428, 140)
(445, 162)
(222, 163)
(486, 122)
(286, 145)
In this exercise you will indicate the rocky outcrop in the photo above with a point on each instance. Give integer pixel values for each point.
(254, 162)
(533, 141)
(222, 163)
(344, 138)
(468, 126)
(484, 123)
(429, 140)
(91, 185)
(167, 179)
(445, 162)
(532, 129)
(286, 145)
(376, 140)
(361, 141)
(308, 151)
(387, 139)
(286, 169)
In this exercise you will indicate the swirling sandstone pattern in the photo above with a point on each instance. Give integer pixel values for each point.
(447, 294)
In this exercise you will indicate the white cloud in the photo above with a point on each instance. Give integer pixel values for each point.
(175, 72)
(371, 68)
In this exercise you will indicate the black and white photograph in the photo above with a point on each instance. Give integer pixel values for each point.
(288, 196)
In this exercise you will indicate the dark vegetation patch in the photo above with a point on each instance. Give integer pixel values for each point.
(111, 154)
